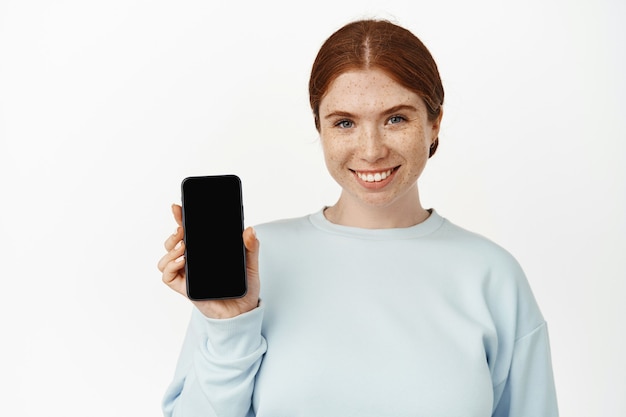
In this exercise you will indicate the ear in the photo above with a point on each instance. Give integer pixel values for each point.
(435, 126)
(433, 147)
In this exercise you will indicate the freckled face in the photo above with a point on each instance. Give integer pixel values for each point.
(376, 137)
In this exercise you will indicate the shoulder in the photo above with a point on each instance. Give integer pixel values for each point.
(283, 226)
(504, 283)
(503, 280)
(286, 234)
(467, 245)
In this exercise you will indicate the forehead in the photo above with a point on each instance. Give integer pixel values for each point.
(366, 90)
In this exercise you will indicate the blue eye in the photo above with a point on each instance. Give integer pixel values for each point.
(345, 124)
(396, 119)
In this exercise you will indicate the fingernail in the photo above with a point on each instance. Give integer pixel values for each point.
(178, 245)
(180, 258)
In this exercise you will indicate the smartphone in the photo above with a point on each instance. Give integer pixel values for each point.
(215, 256)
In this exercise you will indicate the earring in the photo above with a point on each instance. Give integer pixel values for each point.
(433, 147)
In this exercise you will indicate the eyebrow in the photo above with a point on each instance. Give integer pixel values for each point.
(394, 109)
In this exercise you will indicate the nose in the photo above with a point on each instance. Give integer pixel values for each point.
(373, 146)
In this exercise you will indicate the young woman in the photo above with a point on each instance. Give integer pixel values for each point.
(374, 306)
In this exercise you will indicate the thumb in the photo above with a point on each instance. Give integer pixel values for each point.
(250, 240)
(252, 246)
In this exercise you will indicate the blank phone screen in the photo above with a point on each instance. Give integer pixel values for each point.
(215, 263)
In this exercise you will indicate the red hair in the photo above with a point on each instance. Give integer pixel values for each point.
(369, 44)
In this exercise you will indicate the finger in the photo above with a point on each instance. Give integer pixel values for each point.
(173, 239)
(177, 210)
(172, 278)
(172, 268)
(176, 252)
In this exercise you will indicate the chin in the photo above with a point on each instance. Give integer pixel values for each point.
(377, 201)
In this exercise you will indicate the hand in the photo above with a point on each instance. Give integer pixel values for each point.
(172, 265)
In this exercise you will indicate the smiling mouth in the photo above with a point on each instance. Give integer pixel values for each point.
(372, 176)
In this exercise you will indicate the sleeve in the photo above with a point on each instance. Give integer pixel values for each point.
(217, 366)
(528, 390)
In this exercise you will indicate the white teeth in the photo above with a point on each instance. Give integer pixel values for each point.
(377, 177)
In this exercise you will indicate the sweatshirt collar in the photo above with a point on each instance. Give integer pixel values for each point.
(428, 226)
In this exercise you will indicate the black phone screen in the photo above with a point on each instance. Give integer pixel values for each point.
(215, 263)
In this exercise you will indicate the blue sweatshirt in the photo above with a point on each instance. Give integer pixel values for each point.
(429, 320)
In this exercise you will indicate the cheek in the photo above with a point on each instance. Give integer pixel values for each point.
(416, 151)
(330, 156)
(414, 146)
(421, 150)
(332, 149)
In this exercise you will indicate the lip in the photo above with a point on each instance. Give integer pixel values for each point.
(375, 185)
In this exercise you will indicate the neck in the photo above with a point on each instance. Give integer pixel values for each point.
(406, 213)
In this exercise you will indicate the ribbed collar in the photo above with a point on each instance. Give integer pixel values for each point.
(428, 226)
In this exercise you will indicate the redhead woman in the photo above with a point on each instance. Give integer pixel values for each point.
(374, 306)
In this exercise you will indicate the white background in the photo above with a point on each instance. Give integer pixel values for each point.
(107, 105)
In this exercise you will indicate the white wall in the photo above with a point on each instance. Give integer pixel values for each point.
(106, 106)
